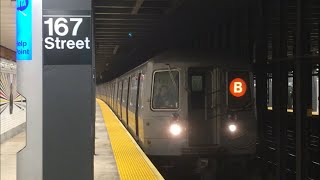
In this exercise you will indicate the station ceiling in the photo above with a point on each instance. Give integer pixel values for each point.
(124, 26)
(128, 32)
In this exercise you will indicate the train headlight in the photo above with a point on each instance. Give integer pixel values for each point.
(175, 129)
(232, 127)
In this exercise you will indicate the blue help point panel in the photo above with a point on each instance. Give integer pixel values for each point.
(24, 30)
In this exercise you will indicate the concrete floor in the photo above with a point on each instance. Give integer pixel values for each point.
(8, 156)
(104, 164)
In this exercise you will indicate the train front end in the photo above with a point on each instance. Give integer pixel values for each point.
(221, 118)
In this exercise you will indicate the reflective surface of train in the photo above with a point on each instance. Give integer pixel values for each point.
(187, 104)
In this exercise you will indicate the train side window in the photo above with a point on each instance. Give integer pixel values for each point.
(165, 94)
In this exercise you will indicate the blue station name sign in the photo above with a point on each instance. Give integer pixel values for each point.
(23, 30)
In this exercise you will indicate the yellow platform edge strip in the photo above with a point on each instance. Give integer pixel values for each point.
(129, 167)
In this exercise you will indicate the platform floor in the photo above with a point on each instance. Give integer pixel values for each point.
(8, 156)
(104, 163)
(120, 158)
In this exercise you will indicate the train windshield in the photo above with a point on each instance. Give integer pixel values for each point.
(165, 89)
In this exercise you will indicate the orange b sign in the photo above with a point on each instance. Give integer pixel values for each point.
(238, 87)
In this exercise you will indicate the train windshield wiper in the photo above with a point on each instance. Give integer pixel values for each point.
(171, 77)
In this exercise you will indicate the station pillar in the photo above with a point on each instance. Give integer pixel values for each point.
(56, 76)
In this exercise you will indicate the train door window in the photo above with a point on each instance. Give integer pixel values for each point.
(125, 93)
(111, 94)
(254, 87)
(269, 91)
(196, 83)
(121, 96)
(128, 99)
(115, 96)
(141, 91)
(112, 91)
(107, 94)
(125, 100)
(165, 89)
(133, 93)
(290, 91)
(315, 90)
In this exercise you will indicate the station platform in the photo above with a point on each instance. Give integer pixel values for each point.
(117, 155)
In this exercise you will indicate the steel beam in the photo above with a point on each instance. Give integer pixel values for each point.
(137, 6)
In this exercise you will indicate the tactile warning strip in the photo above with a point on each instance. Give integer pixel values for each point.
(131, 161)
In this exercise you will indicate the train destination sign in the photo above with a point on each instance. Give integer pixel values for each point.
(238, 87)
(66, 38)
(23, 30)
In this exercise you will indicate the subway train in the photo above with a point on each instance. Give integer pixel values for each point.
(180, 104)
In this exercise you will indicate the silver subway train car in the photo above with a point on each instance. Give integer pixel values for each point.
(179, 104)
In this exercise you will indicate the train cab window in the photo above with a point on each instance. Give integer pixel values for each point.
(165, 89)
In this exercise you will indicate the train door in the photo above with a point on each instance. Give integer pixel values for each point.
(128, 100)
(132, 105)
(139, 120)
(121, 96)
(200, 105)
(124, 100)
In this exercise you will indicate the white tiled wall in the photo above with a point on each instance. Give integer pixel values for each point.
(10, 122)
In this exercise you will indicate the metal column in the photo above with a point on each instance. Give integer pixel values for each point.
(260, 58)
(280, 83)
(58, 83)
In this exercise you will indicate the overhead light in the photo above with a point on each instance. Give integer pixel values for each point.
(130, 34)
